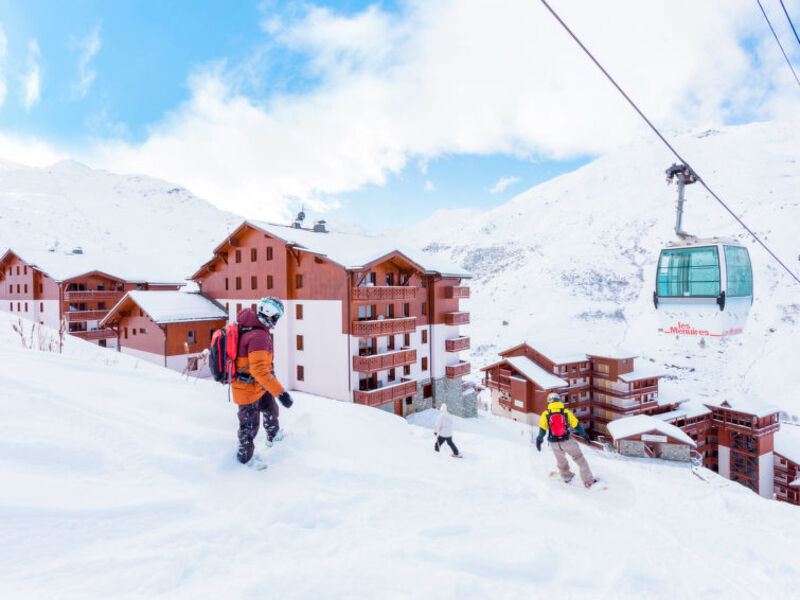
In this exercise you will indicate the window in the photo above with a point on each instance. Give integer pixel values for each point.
(300, 373)
(298, 281)
(407, 340)
(390, 376)
(299, 342)
(238, 283)
(253, 307)
(253, 254)
(133, 331)
(26, 288)
(18, 288)
(390, 343)
(407, 370)
(740, 274)
(269, 282)
(142, 330)
(298, 312)
(390, 311)
(424, 308)
(390, 279)
(366, 312)
(254, 282)
(101, 306)
(238, 308)
(238, 256)
(406, 309)
(424, 336)
(41, 306)
(227, 308)
(17, 269)
(41, 288)
(424, 363)
(11, 306)
(18, 307)
(226, 283)
(190, 336)
(25, 270)
(688, 272)
(269, 252)
(126, 333)
(26, 307)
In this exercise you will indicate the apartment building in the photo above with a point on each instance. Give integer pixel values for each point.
(366, 320)
(787, 464)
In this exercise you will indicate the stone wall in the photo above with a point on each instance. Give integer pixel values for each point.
(631, 448)
(679, 452)
(448, 391)
(421, 403)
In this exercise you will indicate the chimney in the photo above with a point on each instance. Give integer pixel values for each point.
(319, 227)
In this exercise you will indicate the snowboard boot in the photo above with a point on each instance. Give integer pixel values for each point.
(569, 478)
(588, 484)
(279, 435)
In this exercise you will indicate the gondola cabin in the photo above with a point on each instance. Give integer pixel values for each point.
(704, 288)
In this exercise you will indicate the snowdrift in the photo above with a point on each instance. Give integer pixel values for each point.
(119, 480)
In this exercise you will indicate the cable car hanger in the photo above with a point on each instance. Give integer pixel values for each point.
(667, 144)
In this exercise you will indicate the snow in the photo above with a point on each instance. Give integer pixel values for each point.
(641, 372)
(353, 250)
(174, 307)
(630, 426)
(787, 442)
(119, 481)
(559, 350)
(687, 410)
(535, 373)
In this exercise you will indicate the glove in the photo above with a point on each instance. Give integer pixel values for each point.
(538, 444)
(285, 399)
(588, 441)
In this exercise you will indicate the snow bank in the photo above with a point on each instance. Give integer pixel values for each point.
(119, 481)
(629, 426)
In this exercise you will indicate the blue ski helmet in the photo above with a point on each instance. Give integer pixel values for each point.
(269, 310)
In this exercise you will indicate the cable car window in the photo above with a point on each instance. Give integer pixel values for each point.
(740, 274)
(689, 272)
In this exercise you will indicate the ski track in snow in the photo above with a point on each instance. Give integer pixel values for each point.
(119, 480)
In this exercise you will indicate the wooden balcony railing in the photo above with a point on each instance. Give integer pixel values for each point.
(456, 318)
(456, 371)
(384, 327)
(85, 315)
(387, 360)
(456, 344)
(456, 291)
(385, 395)
(95, 334)
(93, 296)
(384, 292)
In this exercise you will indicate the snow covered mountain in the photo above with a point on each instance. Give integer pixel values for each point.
(119, 481)
(570, 264)
(163, 226)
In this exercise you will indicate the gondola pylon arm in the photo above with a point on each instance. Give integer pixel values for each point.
(684, 176)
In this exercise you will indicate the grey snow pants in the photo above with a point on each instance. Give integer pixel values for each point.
(570, 446)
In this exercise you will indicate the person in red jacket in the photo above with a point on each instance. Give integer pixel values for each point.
(256, 389)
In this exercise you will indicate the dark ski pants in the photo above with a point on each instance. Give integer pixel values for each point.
(440, 442)
(249, 417)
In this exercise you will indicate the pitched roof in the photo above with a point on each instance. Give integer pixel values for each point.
(687, 410)
(557, 350)
(787, 442)
(639, 424)
(170, 306)
(645, 372)
(533, 372)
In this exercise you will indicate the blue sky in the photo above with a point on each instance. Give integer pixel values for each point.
(378, 113)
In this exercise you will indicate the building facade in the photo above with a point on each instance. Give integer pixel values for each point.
(364, 322)
(787, 464)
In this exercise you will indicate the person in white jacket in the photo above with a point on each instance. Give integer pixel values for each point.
(443, 430)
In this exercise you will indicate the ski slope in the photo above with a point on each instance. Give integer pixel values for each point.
(119, 480)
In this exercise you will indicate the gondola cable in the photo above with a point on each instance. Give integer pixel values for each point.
(775, 35)
(788, 18)
(667, 144)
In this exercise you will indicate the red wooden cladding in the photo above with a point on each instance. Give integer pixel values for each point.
(456, 291)
(457, 344)
(384, 292)
(378, 362)
(99, 334)
(94, 296)
(384, 327)
(456, 371)
(456, 318)
(386, 394)
(85, 315)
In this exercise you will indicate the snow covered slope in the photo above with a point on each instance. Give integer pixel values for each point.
(571, 262)
(119, 481)
(70, 204)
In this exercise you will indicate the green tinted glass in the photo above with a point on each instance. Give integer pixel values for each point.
(687, 272)
(740, 273)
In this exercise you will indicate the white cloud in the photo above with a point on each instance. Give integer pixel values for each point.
(429, 186)
(456, 77)
(31, 80)
(87, 48)
(3, 47)
(29, 151)
(502, 183)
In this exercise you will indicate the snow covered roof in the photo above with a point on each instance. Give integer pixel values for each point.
(140, 268)
(535, 373)
(642, 372)
(795, 483)
(687, 410)
(171, 306)
(787, 442)
(751, 407)
(630, 426)
(353, 251)
(559, 350)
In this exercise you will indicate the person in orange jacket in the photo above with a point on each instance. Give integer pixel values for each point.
(257, 387)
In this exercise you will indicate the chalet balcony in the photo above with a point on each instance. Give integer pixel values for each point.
(384, 293)
(456, 318)
(456, 291)
(95, 334)
(456, 371)
(457, 344)
(387, 360)
(85, 315)
(94, 296)
(386, 394)
(378, 327)
(500, 386)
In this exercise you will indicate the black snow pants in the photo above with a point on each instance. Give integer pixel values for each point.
(440, 442)
(249, 417)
